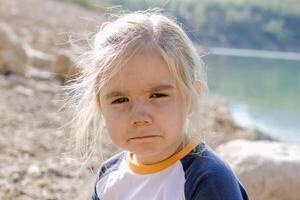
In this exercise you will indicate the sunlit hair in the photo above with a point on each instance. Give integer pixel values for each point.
(117, 41)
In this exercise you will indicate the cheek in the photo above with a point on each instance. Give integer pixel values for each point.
(115, 121)
(172, 116)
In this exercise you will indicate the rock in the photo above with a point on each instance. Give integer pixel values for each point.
(34, 171)
(6, 189)
(268, 170)
(63, 68)
(13, 56)
(24, 90)
(222, 128)
(39, 59)
(38, 74)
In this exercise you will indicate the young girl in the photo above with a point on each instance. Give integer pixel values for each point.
(142, 81)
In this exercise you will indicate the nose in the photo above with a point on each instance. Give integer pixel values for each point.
(140, 114)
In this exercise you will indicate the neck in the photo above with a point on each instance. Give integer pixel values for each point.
(153, 159)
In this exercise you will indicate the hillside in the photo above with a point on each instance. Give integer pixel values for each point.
(264, 25)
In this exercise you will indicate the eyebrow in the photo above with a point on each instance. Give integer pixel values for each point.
(151, 89)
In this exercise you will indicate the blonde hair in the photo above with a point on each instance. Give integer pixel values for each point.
(139, 32)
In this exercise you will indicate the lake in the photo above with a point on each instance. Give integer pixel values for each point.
(262, 92)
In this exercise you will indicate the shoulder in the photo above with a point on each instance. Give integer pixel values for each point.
(107, 167)
(207, 175)
(203, 159)
(110, 165)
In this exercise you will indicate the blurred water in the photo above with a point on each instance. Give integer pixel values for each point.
(263, 93)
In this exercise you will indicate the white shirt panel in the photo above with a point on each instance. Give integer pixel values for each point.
(123, 184)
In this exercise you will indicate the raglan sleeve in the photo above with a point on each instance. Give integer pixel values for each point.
(218, 184)
(105, 169)
(94, 195)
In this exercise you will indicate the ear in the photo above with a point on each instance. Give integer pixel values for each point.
(103, 25)
(200, 87)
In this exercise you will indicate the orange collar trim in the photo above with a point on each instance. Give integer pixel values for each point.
(149, 169)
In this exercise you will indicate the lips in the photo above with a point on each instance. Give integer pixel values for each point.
(146, 136)
(141, 137)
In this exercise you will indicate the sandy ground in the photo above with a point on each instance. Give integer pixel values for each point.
(33, 164)
(32, 143)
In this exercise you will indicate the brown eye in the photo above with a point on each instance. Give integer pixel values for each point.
(158, 95)
(120, 100)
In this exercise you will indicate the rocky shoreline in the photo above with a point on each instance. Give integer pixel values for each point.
(34, 159)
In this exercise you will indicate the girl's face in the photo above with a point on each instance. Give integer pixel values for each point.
(144, 110)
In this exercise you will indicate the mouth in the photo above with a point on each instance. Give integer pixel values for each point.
(146, 137)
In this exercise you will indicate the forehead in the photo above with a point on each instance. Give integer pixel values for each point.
(142, 71)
